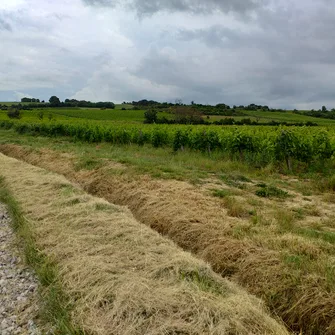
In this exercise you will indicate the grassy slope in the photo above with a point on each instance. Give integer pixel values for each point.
(120, 275)
(286, 116)
(280, 249)
(84, 114)
(97, 114)
(290, 117)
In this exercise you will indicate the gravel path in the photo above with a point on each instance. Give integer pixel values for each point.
(18, 286)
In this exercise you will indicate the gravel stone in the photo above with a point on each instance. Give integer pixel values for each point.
(18, 286)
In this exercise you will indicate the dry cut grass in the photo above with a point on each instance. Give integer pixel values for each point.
(121, 276)
(276, 258)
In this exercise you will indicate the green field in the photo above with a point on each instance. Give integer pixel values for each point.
(134, 116)
(257, 145)
(137, 116)
(287, 116)
(126, 106)
(82, 114)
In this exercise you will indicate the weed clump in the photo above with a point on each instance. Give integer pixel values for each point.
(222, 193)
(235, 180)
(266, 191)
(327, 184)
(235, 208)
(14, 113)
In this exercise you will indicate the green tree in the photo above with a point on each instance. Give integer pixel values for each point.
(150, 116)
(54, 101)
(26, 100)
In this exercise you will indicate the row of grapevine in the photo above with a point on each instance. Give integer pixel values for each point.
(266, 143)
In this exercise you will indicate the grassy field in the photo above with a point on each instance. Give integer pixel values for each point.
(288, 116)
(116, 273)
(97, 114)
(268, 228)
(126, 106)
(83, 114)
(80, 114)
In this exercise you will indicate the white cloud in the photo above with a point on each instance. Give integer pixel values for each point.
(20, 95)
(11, 5)
(111, 82)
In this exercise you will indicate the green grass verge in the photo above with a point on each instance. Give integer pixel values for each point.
(54, 309)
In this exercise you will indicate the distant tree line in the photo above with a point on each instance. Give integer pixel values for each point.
(323, 113)
(88, 104)
(144, 104)
(29, 106)
(30, 100)
(16, 106)
(219, 109)
(54, 101)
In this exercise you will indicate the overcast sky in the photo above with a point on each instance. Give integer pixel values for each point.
(279, 53)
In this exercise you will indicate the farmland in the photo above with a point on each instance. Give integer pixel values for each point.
(124, 113)
(259, 145)
(255, 202)
(287, 116)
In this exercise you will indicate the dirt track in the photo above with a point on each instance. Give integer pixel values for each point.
(18, 285)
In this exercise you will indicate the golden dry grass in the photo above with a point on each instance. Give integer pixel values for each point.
(121, 276)
(292, 273)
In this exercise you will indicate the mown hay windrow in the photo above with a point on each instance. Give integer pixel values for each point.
(121, 276)
(200, 224)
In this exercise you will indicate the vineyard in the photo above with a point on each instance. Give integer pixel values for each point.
(258, 145)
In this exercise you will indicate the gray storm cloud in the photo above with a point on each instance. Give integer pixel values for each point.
(4, 25)
(274, 52)
(147, 7)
